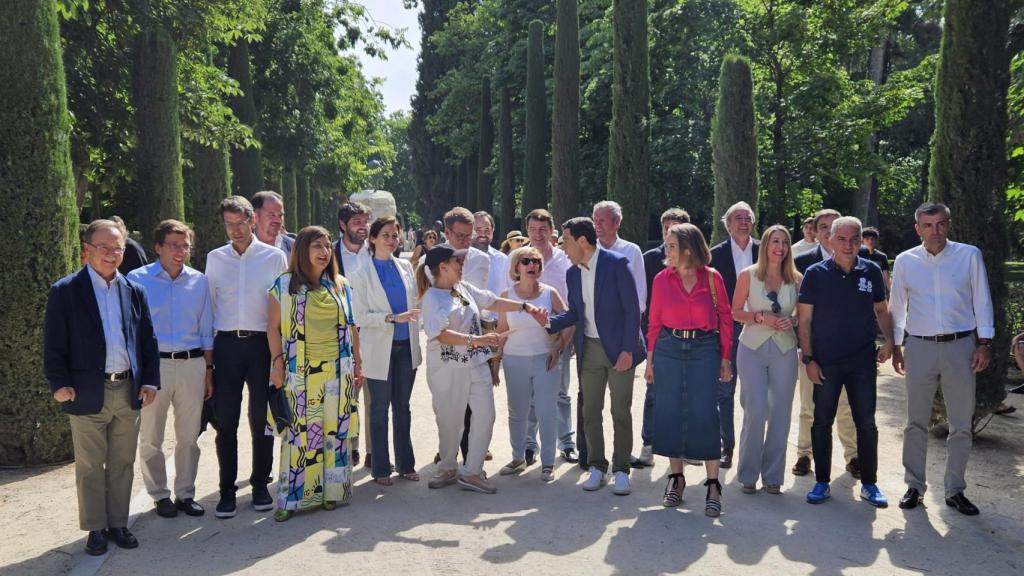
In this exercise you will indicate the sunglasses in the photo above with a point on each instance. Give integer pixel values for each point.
(527, 261)
(774, 297)
(459, 297)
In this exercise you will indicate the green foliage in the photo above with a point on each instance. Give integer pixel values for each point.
(302, 201)
(535, 178)
(210, 183)
(485, 184)
(506, 166)
(565, 118)
(39, 214)
(734, 140)
(401, 181)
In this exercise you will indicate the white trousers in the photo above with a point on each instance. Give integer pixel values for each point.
(182, 385)
(454, 386)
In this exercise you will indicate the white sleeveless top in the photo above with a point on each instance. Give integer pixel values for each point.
(529, 338)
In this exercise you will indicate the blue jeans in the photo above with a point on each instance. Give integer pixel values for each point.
(531, 387)
(563, 412)
(726, 393)
(685, 423)
(394, 393)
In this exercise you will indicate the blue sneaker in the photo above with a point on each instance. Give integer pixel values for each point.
(819, 493)
(873, 495)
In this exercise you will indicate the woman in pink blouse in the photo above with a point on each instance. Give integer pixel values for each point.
(689, 339)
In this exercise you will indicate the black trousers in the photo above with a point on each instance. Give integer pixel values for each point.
(858, 376)
(239, 361)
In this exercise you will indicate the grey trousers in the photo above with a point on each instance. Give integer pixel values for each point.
(767, 383)
(929, 365)
(532, 390)
(105, 446)
(566, 440)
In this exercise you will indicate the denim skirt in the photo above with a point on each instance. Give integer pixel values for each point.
(686, 421)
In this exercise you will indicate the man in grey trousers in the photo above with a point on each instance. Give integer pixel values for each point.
(940, 297)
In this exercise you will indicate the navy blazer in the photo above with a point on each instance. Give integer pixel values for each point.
(75, 352)
(721, 260)
(617, 309)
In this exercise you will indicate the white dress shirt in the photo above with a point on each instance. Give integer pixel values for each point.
(742, 257)
(108, 299)
(636, 266)
(353, 261)
(239, 284)
(497, 278)
(554, 272)
(942, 293)
(476, 269)
(588, 276)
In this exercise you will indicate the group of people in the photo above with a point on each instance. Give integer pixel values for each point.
(309, 324)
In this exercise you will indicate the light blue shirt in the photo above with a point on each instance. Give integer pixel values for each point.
(180, 307)
(108, 299)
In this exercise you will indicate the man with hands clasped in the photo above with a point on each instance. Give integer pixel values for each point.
(840, 299)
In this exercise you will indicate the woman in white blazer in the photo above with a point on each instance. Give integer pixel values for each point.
(383, 302)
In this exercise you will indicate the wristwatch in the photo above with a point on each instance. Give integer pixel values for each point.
(390, 318)
(209, 366)
(523, 307)
(807, 359)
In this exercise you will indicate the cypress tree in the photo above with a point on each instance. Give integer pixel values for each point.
(630, 130)
(41, 223)
(968, 167)
(316, 210)
(484, 185)
(211, 183)
(535, 194)
(460, 183)
(733, 140)
(565, 118)
(471, 182)
(158, 151)
(289, 183)
(506, 162)
(302, 201)
(246, 163)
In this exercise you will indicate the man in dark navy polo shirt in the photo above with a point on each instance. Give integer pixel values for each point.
(840, 300)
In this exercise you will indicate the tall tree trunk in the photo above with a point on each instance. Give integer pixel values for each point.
(506, 163)
(302, 199)
(460, 183)
(535, 179)
(41, 221)
(158, 151)
(565, 117)
(734, 140)
(867, 197)
(630, 130)
(485, 184)
(316, 210)
(289, 191)
(211, 183)
(471, 180)
(246, 163)
(968, 163)
(776, 205)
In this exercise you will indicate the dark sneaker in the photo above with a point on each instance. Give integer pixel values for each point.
(189, 506)
(165, 508)
(261, 499)
(226, 505)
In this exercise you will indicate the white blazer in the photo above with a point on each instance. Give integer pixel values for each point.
(369, 306)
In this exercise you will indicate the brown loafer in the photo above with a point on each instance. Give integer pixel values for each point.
(802, 466)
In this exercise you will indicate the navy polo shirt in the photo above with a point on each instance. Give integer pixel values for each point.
(843, 326)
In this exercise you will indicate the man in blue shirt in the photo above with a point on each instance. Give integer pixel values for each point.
(840, 299)
(179, 302)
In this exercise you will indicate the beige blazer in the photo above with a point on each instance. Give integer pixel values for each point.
(369, 306)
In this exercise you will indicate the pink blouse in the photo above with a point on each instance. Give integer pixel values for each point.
(673, 307)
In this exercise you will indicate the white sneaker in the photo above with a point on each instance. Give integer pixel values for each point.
(595, 481)
(621, 484)
(647, 456)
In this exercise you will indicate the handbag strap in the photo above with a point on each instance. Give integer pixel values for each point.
(714, 296)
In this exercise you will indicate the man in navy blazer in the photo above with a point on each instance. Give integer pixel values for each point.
(730, 258)
(102, 362)
(605, 309)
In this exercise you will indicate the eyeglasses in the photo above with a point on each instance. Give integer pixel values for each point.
(526, 261)
(774, 297)
(459, 297)
(106, 250)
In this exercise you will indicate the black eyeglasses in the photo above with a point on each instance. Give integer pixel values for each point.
(459, 297)
(526, 261)
(774, 297)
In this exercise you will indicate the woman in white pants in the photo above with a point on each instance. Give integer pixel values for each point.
(766, 362)
(457, 355)
(531, 360)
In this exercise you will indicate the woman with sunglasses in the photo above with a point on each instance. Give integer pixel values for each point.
(383, 300)
(531, 355)
(457, 355)
(766, 362)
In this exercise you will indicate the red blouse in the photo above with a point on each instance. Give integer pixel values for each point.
(673, 307)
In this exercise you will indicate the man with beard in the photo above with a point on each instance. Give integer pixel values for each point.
(268, 220)
(497, 279)
(350, 248)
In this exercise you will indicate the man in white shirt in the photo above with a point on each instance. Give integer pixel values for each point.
(807, 243)
(268, 221)
(351, 248)
(940, 298)
(497, 278)
(239, 275)
(540, 227)
(607, 219)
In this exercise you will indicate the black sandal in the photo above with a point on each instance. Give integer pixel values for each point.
(713, 506)
(674, 490)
